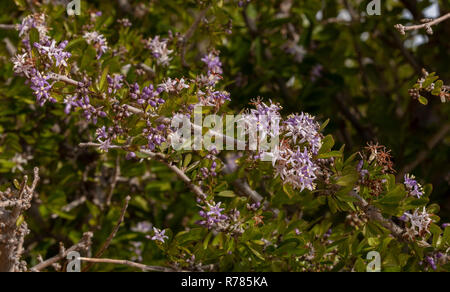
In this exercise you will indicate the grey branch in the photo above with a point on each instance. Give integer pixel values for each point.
(113, 233)
(12, 205)
(375, 215)
(8, 26)
(427, 25)
(82, 245)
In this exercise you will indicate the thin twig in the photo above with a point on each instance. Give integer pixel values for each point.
(427, 25)
(375, 215)
(7, 26)
(113, 233)
(189, 33)
(114, 181)
(10, 47)
(83, 244)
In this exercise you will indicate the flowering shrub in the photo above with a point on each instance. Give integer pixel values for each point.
(92, 102)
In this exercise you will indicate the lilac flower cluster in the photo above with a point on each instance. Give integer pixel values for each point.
(431, 261)
(254, 206)
(209, 96)
(436, 258)
(213, 97)
(115, 82)
(159, 50)
(53, 51)
(413, 187)
(41, 88)
(214, 219)
(156, 135)
(98, 41)
(362, 172)
(292, 159)
(173, 85)
(36, 21)
(148, 96)
(264, 119)
(81, 100)
(420, 223)
(304, 128)
(212, 171)
(213, 62)
(297, 169)
(23, 65)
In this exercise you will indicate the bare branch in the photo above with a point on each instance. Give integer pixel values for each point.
(189, 33)
(12, 205)
(375, 215)
(82, 245)
(8, 26)
(113, 233)
(427, 25)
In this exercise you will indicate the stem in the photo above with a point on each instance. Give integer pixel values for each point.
(402, 29)
(113, 233)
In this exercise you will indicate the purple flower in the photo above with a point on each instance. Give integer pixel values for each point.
(101, 133)
(98, 41)
(431, 262)
(105, 145)
(23, 65)
(130, 155)
(303, 128)
(213, 62)
(54, 51)
(159, 235)
(215, 210)
(115, 83)
(159, 50)
(298, 170)
(36, 21)
(41, 88)
(413, 187)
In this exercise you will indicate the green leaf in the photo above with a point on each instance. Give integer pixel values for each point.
(322, 127)
(447, 235)
(423, 100)
(330, 155)
(102, 83)
(206, 241)
(327, 144)
(347, 180)
(255, 252)
(436, 231)
(187, 160)
(227, 194)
